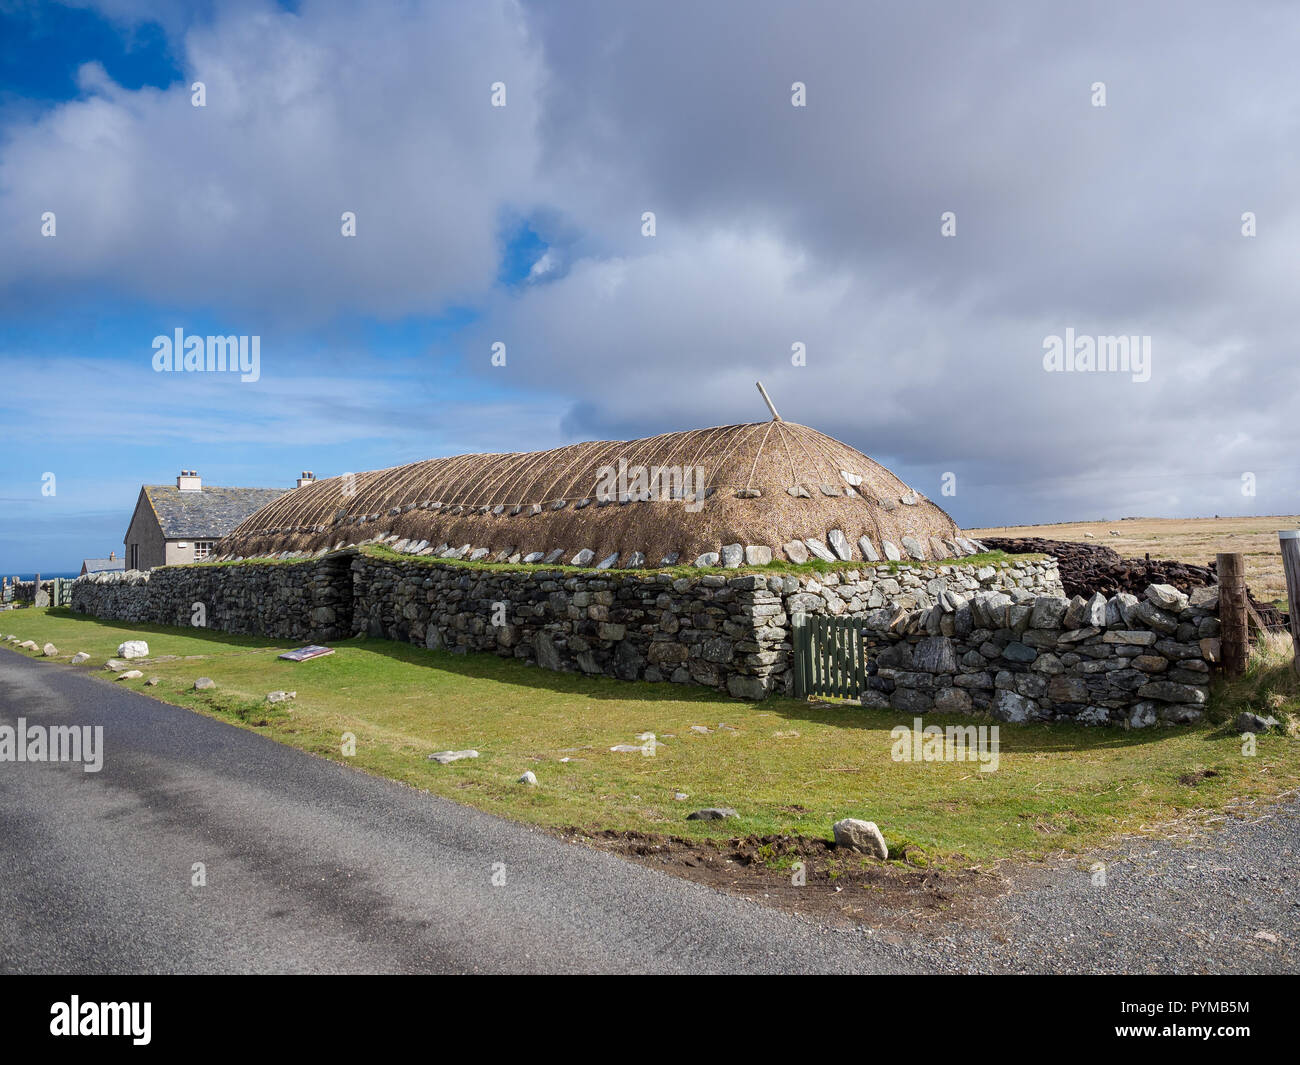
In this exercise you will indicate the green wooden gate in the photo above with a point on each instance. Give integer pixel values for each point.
(829, 656)
(60, 592)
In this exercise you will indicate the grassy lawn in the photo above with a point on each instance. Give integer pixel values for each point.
(785, 766)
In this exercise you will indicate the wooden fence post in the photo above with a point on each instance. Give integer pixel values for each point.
(1233, 603)
(1290, 542)
(798, 630)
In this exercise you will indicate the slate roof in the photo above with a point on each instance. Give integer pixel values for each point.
(206, 515)
(99, 565)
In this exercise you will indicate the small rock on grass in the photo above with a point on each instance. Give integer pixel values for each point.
(279, 696)
(204, 683)
(115, 664)
(444, 757)
(49, 650)
(153, 682)
(130, 674)
(80, 657)
(712, 813)
(861, 836)
(1248, 722)
(529, 778)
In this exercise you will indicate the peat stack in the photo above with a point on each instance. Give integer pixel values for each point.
(1089, 568)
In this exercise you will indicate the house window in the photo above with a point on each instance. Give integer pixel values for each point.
(135, 557)
(203, 549)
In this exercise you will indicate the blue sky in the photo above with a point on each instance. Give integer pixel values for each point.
(379, 390)
(523, 225)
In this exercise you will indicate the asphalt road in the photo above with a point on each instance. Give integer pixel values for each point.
(314, 867)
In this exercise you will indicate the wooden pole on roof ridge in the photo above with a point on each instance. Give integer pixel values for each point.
(768, 400)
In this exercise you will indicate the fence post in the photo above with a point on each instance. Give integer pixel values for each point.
(1290, 543)
(797, 623)
(1233, 604)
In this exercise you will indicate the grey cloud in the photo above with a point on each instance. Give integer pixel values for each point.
(776, 224)
(383, 111)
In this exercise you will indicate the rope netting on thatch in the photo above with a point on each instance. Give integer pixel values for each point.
(687, 493)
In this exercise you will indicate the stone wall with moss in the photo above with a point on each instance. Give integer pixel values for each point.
(1125, 660)
(997, 637)
(728, 631)
(307, 601)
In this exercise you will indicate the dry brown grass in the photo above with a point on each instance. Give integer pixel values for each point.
(1195, 540)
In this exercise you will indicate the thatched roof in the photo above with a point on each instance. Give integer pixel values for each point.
(763, 485)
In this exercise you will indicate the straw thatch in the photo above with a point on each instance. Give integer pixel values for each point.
(764, 484)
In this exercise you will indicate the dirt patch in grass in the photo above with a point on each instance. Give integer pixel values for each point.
(840, 887)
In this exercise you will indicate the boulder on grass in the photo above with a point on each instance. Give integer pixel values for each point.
(860, 836)
(133, 649)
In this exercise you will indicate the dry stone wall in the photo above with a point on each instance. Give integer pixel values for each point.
(1000, 639)
(722, 632)
(729, 633)
(726, 632)
(1125, 660)
(298, 601)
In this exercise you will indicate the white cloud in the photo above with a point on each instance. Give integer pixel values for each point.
(775, 225)
(383, 110)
